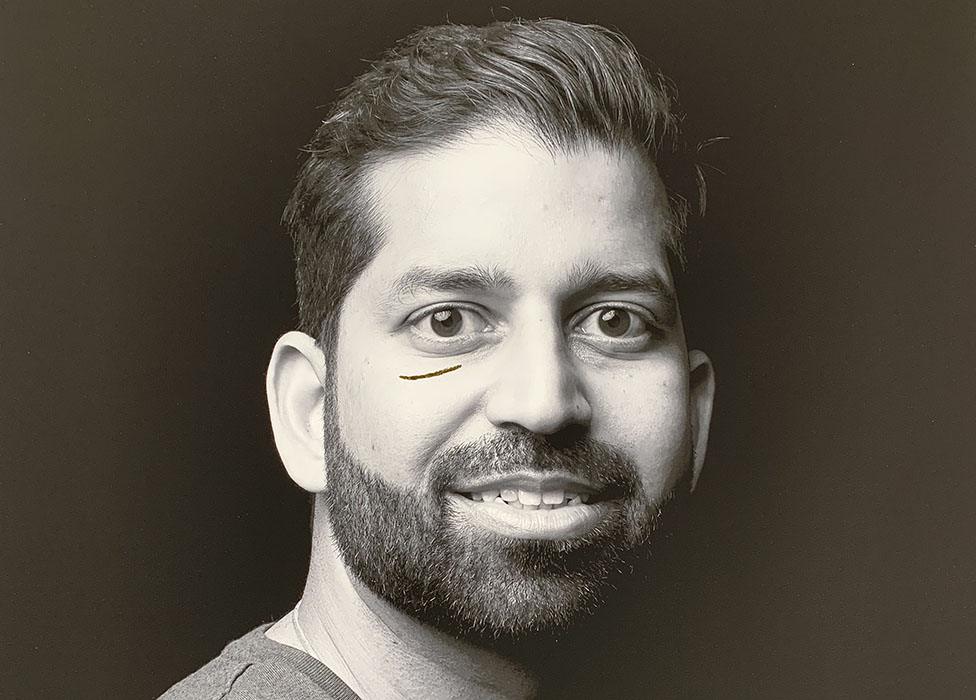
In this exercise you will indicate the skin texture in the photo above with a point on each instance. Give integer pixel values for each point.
(502, 202)
(531, 225)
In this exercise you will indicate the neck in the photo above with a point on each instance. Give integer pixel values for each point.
(379, 651)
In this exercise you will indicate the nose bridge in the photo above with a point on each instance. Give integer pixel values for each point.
(538, 386)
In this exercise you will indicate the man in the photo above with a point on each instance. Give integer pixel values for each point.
(491, 398)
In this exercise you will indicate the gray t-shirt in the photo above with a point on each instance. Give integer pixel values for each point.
(255, 667)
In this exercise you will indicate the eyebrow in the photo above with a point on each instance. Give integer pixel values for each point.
(588, 279)
(472, 278)
(584, 280)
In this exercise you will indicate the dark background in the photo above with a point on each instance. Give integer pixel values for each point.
(147, 154)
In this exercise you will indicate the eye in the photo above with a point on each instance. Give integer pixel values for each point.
(613, 322)
(446, 322)
(616, 324)
(450, 322)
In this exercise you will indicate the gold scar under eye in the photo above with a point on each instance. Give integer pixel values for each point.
(430, 374)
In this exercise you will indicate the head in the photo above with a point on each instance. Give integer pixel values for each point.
(491, 392)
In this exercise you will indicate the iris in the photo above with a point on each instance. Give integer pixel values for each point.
(446, 322)
(614, 322)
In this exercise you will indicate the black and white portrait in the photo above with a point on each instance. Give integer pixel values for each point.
(384, 351)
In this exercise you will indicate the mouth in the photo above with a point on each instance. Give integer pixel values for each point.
(532, 506)
(529, 499)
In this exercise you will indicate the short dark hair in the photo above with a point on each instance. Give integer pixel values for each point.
(565, 83)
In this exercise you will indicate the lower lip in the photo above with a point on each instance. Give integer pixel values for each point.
(555, 524)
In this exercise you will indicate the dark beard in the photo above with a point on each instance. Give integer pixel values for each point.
(408, 548)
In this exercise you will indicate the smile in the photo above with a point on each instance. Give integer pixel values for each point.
(531, 507)
(530, 500)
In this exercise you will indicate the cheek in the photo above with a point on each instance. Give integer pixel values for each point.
(645, 413)
(392, 425)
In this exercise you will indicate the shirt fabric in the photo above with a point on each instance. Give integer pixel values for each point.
(255, 667)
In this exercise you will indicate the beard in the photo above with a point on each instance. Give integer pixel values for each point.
(412, 549)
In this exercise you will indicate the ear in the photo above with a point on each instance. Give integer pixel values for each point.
(702, 393)
(296, 376)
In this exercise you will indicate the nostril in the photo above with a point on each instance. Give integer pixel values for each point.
(568, 436)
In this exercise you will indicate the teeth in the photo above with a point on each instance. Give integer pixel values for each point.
(532, 500)
(553, 498)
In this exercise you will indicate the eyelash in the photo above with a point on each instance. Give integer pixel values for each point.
(454, 341)
(653, 330)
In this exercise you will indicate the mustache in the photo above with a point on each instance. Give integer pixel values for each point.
(518, 451)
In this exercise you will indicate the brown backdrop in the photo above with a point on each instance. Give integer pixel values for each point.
(147, 154)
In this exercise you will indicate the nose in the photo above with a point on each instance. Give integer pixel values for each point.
(538, 387)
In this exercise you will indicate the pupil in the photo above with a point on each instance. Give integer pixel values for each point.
(614, 322)
(446, 322)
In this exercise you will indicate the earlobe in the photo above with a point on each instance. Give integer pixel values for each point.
(295, 381)
(702, 394)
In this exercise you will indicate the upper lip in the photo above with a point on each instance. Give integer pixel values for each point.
(529, 481)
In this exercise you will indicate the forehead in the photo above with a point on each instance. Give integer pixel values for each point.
(500, 200)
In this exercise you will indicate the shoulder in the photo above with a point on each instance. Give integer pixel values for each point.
(244, 681)
(214, 681)
(257, 668)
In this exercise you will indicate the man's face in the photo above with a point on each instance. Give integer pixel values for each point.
(499, 496)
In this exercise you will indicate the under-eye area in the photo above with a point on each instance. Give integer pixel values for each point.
(430, 374)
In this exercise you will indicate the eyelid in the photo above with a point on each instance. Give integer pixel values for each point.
(641, 311)
(423, 313)
(428, 342)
